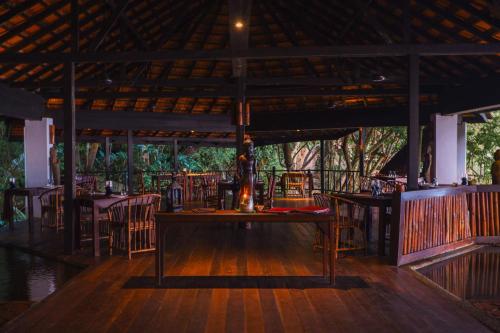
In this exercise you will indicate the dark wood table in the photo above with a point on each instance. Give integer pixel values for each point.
(28, 192)
(382, 202)
(98, 203)
(325, 221)
(225, 186)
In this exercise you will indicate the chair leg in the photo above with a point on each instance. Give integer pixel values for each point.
(110, 239)
(129, 250)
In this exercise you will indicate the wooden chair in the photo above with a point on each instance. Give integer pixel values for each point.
(86, 182)
(210, 196)
(322, 200)
(293, 181)
(351, 220)
(51, 205)
(132, 224)
(86, 223)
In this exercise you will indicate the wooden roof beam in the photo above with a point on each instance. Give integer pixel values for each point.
(191, 141)
(341, 51)
(123, 120)
(231, 91)
(103, 33)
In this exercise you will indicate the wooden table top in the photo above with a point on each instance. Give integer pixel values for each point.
(367, 198)
(236, 216)
(33, 190)
(100, 199)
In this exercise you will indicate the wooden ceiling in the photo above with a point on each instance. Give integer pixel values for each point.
(298, 84)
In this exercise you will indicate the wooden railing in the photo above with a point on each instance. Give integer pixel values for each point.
(484, 205)
(430, 222)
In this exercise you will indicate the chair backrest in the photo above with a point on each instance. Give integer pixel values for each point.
(348, 212)
(322, 200)
(134, 210)
(294, 177)
(52, 198)
(86, 182)
(271, 188)
(365, 184)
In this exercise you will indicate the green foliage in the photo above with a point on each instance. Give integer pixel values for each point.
(482, 142)
(11, 162)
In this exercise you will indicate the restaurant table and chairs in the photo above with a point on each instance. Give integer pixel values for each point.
(27, 192)
(293, 183)
(91, 208)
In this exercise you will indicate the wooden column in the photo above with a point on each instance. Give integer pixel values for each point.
(413, 123)
(70, 137)
(176, 156)
(107, 157)
(322, 164)
(130, 162)
(69, 158)
(239, 112)
(362, 137)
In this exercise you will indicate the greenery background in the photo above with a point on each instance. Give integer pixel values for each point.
(381, 144)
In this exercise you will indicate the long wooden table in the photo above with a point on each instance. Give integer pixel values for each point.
(326, 223)
(382, 202)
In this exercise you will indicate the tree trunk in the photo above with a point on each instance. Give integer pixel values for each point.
(287, 152)
(91, 156)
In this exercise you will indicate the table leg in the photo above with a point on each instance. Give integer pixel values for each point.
(95, 231)
(333, 250)
(30, 212)
(10, 210)
(220, 197)
(381, 230)
(160, 250)
(77, 224)
(325, 252)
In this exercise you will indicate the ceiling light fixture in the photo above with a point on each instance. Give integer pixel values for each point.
(379, 78)
(239, 24)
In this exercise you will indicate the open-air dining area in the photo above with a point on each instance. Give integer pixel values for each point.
(249, 166)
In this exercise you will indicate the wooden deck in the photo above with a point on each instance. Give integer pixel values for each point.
(118, 295)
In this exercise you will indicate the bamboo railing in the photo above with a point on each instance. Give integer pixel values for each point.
(484, 205)
(430, 222)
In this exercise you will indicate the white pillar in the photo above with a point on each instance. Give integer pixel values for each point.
(461, 148)
(36, 152)
(36, 155)
(445, 152)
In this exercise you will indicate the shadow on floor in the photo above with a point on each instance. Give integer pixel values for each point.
(236, 282)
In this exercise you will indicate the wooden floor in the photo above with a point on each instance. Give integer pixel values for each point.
(209, 290)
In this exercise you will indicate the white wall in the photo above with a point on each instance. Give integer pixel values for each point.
(36, 155)
(445, 152)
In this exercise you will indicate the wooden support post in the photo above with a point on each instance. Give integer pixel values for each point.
(239, 112)
(107, 157)
(362, 137)
(176, 156)
(69, 158)
(322, 164)
(413, 123)
(130, 163)
(70, 238)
